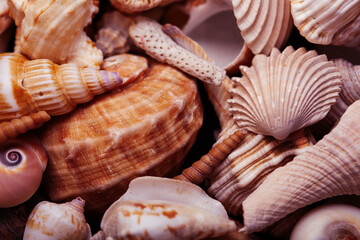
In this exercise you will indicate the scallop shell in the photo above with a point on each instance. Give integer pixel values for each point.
(350, 92)
(113, 34)
(264, 24)
(161, 208)
(134, 6)
(145, 128)
(40, 85)
(284, 92)
(335, 22)
(58, 221)
(333, 221)
(250, 162)
(22, 163)
(44, 28)
(149, 35)
(329, 168)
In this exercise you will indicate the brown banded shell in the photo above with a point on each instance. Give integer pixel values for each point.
(145, 128)
(44, 28)
(284, 92)
(327, 169)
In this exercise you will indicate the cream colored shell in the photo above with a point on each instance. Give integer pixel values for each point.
(329, 168)
(284, 92)
(144, 128)
(44, 28)
(161, 208)
(325, 22)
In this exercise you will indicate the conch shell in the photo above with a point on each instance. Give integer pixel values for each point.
(134, 6)
(284, 92)
(145, 128)
(161, 208)
(58, 221)
(44, 28)
(113, 34)
(329, 168)
(22, 163)
(335, 22)
(332, 221)
(40, 85)
(150, 36)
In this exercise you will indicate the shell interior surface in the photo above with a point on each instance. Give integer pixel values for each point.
(332, 163)
(22, 163)
(146, 128)
(44, 28)
(161, 208)
(134, 6)
(284, 92)
(325, 22)
(332, 221)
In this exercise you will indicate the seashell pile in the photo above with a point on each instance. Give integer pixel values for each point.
(179, 119)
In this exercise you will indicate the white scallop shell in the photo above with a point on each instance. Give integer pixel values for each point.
(284, 92)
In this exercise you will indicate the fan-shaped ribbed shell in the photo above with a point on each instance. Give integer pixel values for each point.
(162, 208)
(249, 164)
(325, 22)
(264, 24)
(329, 168)
(284, 92)
(45, 27)
(40, 85)
(113, 35)
(133, 6)
(144, 129)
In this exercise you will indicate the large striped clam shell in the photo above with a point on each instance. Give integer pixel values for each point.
(145, 128)
(284, 92)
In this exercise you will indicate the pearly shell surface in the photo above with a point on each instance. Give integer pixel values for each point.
(145, 128)
(58, 221)
(40, 85)
(327, 169)
(161, 208)
(326, 22)
(22, 163)
(284, 92)
(44, 28)
(135, 6)
(332, 221)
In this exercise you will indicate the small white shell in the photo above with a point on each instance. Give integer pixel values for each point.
(284, 92)
(333, 221)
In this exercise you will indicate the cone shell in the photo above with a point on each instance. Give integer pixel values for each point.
(249, 164)
(58, 221)
(134, 6)
(161, 208)
(149, 35)
(144, 128)
(113, 34)
(264, 24)
(329, 168)
(44, 28)
(40, 85)
(332, 221)
(284, 92)
(22, 163)
(335, 22)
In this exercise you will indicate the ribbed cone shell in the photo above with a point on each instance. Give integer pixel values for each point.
(133, 6)
(264, 24)
(250, 163)
(44, 28)
(145, 128)
(326, 22)
(284, 92)
(327, 169)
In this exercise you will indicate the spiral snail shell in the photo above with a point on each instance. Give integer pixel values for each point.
(22, 162)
